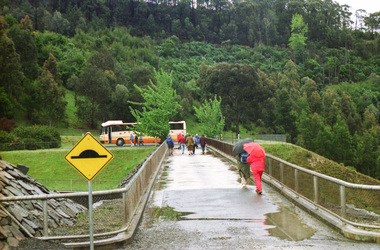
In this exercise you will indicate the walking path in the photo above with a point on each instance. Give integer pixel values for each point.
(199, 204)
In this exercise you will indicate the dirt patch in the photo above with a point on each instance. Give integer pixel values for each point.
(33, 243)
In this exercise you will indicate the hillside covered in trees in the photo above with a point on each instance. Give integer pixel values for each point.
(295, 67)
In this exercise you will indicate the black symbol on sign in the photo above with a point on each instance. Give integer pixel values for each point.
(88, 154)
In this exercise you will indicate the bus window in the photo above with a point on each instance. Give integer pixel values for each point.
(176, 126)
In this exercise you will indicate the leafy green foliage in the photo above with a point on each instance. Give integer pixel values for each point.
(94, 86)
(48, 100)
(35, 137)
(235, 84)
(210, 117)
(22, 37)
(159, 107)
(298, 37)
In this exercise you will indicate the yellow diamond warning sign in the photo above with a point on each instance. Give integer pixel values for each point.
(88, 156)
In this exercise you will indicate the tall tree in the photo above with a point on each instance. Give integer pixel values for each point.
(159, 106)
(94, 86)
(285, 118)
(344, 148)
(297, 40)
(235, 84)
(210, 117)
(373, 22)
(22, 37)
(11, 75)
(52, 66)
(49, 100)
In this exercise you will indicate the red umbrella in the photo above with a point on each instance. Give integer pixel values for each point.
(254, 149)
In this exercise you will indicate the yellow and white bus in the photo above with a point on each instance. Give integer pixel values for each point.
(118, 132)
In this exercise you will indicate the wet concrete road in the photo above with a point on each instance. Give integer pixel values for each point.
(198, 203)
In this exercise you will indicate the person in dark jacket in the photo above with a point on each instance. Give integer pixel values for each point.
(136, 140)
(244, 172)
(170, 143)
(203, 143)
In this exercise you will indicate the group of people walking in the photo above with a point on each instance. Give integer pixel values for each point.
(251, 157)
(136, 140)
(189, 141)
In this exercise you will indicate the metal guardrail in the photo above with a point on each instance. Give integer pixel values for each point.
(72, 185)
(277, 138)
(115, 211)
(353, 204)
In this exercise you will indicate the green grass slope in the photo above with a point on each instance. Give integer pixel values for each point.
(50, 164)
(315, 162)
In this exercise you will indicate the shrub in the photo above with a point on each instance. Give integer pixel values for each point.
(35, 137)
(5, 139)
(32, 144)
(7, 124)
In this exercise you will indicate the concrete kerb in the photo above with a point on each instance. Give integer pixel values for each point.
(320, 212)
(128, 233)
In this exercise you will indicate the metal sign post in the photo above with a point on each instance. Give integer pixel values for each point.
(90, 215)
(89, 157)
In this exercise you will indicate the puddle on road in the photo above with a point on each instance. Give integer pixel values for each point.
(163, 213)
(288, 226)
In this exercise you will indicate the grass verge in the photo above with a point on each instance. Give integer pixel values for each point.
(50, 164)
(315, 162)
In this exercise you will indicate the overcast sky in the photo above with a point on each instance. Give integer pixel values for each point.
(371, 6)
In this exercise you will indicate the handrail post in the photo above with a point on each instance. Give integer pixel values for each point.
(270, 166)
(45, 217)
(343, 201)
(282, 172)
(296, 184)
(315, 189)
(124, 208)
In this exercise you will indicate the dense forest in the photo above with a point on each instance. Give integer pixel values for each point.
(296, 67)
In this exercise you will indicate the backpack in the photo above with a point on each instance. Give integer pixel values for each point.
(243, 157)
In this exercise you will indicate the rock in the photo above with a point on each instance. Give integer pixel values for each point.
(28, 228)
(2, 184)
(60, 212)
(23, 169)
(31, 223)
(18, 212)
(26, 186)
(14, 191)
(3, 178)
(16, 233)
(29, 213)
(4, 222)
(13, 242)
(3, 234)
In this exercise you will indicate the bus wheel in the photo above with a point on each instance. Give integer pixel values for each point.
(120, 142)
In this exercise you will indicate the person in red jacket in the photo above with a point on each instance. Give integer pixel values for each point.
(257, 160)
(182, 143)
(179, 137)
